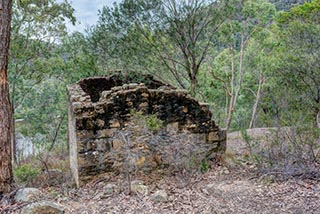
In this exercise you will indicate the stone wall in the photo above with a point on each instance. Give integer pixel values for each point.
(102, 120)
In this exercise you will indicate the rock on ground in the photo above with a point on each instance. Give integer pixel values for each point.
(159, 196)
(139, 187)
(27, 194)
(43, 207)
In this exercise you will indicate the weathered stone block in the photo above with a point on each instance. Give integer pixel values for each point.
(84, 134)
(100, 123)
(114, 124)
(173, 128)
(117, 144)
(213, 137)
(143, 105)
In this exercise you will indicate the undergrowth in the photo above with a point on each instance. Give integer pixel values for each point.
(285, 153)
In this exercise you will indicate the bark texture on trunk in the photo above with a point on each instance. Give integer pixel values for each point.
(6, 177)
(256, 102)
(317, 112)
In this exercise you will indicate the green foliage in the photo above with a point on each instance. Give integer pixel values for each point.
(37, 84)
(170, 38)
(26, 173)
(153, 123)
(309, 12)
(150, 121)
(298, 69)
(204, 167)
(285, 5)
(238, 68)
(43, 110)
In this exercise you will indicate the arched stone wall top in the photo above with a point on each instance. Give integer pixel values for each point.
(93, 86)
(170, 105)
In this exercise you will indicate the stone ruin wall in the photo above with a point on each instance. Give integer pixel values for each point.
(100, 107)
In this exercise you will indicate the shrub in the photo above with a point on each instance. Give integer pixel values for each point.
(286, 152)
(204, 167)
(153, 123)
(26, 173)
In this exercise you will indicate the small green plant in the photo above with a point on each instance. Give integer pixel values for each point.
(204, 167)
(137, 114)
(26, 173)
(153, 123)
(250, 144)
(52, 192)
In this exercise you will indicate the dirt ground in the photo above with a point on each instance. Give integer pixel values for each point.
(230, 187)
(218, 191)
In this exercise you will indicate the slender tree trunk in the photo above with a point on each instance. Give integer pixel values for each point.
(13, 137)
(256, 102)
(235, 87)
(194, 85)
(317, 112)
(316, 123)
(6, 177)
(232, 83)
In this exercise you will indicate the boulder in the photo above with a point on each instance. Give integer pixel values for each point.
(110, 189)
(159, 196)
(27, 194)
(43, 207)
(138, 187)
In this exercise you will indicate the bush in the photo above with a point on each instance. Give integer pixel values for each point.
(150, 122)
(286, 152)
(26, 173)
(153, 123)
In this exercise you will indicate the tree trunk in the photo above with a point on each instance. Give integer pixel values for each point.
(6, 177)
(13, 137)
(256, 102)
(316, 122)
(193, 86)
(235, 87)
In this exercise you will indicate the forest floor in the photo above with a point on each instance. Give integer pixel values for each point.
(233, 186)
(218, 191)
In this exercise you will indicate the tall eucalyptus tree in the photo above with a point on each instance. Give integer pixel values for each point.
(6, 177)
(174, 35)
(299, 38)
(248, 22)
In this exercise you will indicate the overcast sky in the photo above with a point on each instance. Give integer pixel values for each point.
(87, 12)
